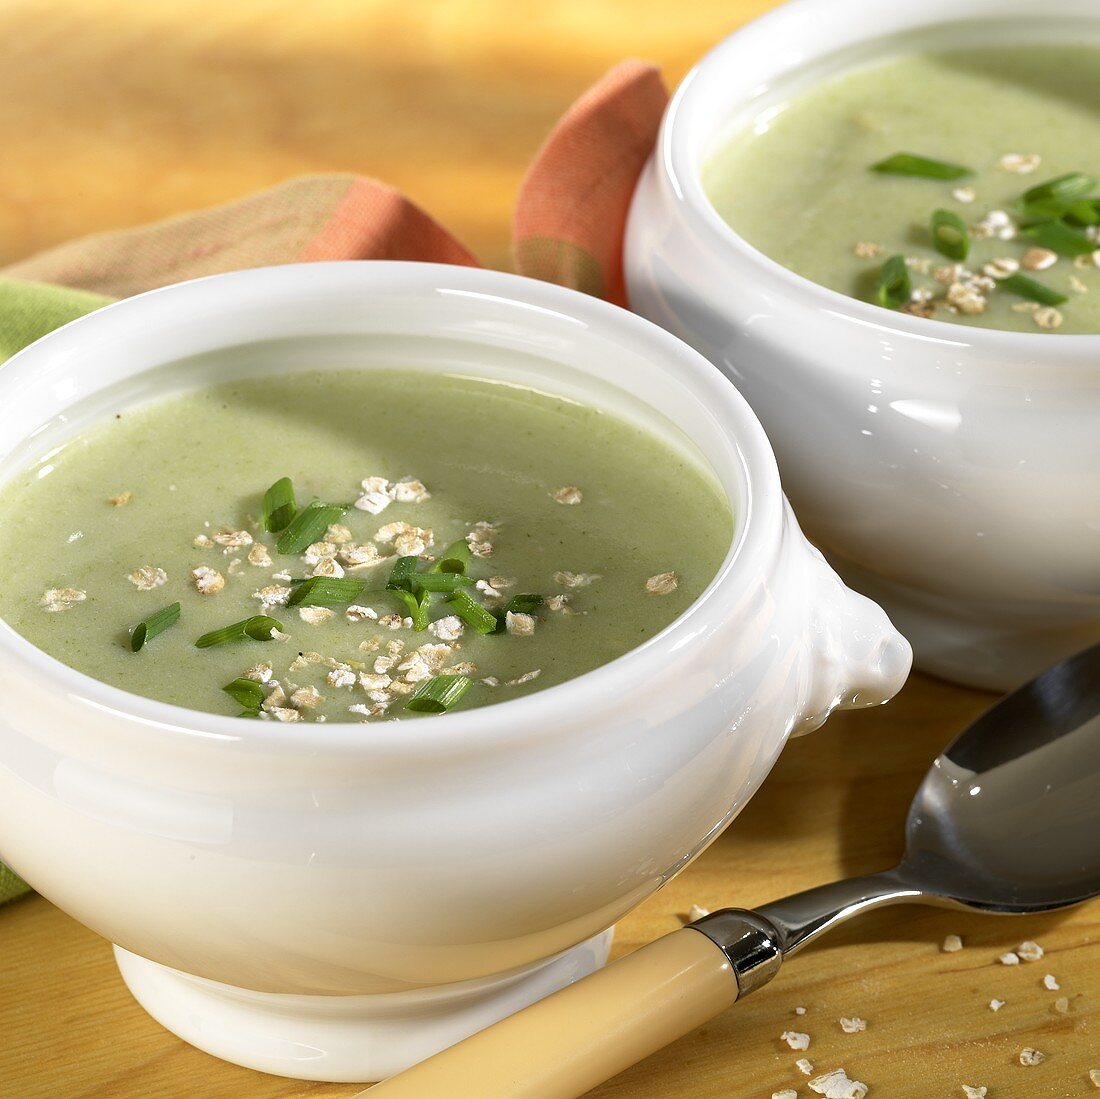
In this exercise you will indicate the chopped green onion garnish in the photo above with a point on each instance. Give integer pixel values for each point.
(473, 613)
(279, 506)
(1085, 212)
(259, 628)
(154, 624)
(524, 604)
(1054, 197)
(441, 581)
(895, 287)
(910, 164)
(309, 526)
(1032, 290)
(454, 558)
(438, 694)
(950, 235)
(326, 591)
(247, 692)
(416, 606)
(401, 577)
(1060, 238)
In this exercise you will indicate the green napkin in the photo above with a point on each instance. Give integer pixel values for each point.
(31, 309)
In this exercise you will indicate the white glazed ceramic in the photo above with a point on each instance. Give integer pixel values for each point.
(337, 901)
(951, 473)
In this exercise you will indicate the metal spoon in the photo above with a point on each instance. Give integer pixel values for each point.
(1006, 820)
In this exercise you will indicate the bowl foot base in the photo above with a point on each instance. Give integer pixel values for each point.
(351, 1039)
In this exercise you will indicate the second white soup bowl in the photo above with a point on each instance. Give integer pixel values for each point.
(951, 473)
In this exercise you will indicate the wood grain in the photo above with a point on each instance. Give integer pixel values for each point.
(118, 111)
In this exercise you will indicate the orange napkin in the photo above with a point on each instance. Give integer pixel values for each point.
(569, 216)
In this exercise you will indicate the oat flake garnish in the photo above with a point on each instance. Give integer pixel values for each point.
(979, 1092)
(804, 1066)
(795, 1039)
(202, 541)
(307, 698)
(520, 624)
(338, 534)
(521, 679)
(1029, 1056)
(800, 1011)
(274, 595)
(866, 249)
(853, 1025)
(410, 492)
(356, 613)
(261, 673)
(1077, 285)
(1009, 958)
(662, 583)
(996, 223)
(964, 194)
(786, 1093)
(1024, 306)
(314, 616)
(358, 556)
(697, 913)
(232, 539)
(1094, 1076)
(341, 676)
(121, 500)
(577, 579)
(1038, 259)
(568, 495)
(328, 566)
(207, 581)
(260, 556)
(996, 1005)
(148, 577)
(1050, 983)
(284, 713)
(951, 943)
(447, 629)
(392, 621)
(1001, 267)
(1047, 317)
(61, 599)
(318, 551)
(965, 298)
(836, 1085)
(1061, 1005)
(1020, 163)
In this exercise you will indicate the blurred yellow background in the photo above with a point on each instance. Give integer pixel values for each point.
(117, 112)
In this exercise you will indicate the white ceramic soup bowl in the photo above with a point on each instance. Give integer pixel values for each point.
(337, 901)
(951, 473)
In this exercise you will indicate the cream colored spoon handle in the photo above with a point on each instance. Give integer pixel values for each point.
(565, 1045)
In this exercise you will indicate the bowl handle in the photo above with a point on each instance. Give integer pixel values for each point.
(855, 655)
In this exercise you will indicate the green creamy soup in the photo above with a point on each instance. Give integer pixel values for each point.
(798, 184)
(519, 493)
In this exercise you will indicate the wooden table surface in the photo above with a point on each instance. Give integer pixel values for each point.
(114, 112)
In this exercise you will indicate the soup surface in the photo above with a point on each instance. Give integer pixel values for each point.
(799, 184)
(501, 492)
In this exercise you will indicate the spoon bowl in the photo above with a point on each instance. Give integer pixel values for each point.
(1007, 818)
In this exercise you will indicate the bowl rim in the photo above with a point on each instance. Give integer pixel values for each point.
(757, 518)
(677, 160)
